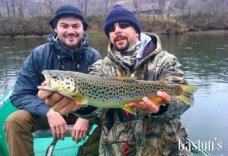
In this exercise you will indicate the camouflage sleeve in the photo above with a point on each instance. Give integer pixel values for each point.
(96, 68)
(103, 68)
(171, 73)
(96, 113)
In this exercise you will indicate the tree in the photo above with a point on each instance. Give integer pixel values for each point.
(50, 5)
(136, 5)
(106, 5)
(13, 7)
(7, 6)
(162, 5)
(86, 5)
(21, 7)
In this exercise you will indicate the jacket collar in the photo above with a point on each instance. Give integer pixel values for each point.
(65, 52)
(151, 46)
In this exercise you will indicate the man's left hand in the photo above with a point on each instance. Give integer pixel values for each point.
(80, 129)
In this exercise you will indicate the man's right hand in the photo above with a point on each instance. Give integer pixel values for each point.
(58, 102)
(57, 124)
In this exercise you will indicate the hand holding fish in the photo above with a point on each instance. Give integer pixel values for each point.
(62, 105)
(149, 106)
(58, 102)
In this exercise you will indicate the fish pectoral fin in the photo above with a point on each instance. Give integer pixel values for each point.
(80, 99)
(129, 109)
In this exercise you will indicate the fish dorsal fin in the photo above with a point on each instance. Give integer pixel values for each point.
(164, 81)
(129, 78)
(126, 79)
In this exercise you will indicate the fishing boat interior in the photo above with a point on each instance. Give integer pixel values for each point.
(44, 144)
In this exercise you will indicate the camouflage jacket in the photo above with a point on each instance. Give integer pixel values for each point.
(143, 134)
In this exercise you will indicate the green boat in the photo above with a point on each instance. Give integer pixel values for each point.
(44, 143)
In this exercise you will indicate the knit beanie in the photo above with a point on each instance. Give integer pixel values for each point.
(121, 14)
(67, 10)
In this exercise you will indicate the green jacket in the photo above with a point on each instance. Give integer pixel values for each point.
(152, 134)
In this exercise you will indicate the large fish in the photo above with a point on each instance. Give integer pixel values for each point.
(110, 92)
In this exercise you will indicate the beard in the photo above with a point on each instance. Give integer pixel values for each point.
(121, 49)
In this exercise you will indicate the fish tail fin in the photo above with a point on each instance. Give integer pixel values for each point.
(187, 92)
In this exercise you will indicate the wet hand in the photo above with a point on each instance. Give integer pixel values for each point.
(57, 124)
(150, 106)
(80, 129)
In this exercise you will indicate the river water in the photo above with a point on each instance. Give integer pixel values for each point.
(204, 59)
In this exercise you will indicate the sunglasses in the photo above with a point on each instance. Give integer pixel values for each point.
(122, 25)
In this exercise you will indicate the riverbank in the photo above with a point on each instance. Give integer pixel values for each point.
(18, 26)
(100, 32)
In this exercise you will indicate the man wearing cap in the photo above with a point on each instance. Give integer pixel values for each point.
(154, 130)
(67, 49)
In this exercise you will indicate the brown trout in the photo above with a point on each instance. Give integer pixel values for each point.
(102, 92)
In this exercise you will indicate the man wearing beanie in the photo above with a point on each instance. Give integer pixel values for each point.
(67, 49)
(155, 130)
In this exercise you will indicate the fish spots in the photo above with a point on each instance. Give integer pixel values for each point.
(106, 92)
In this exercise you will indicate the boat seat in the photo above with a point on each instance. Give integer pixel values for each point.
(46, 133)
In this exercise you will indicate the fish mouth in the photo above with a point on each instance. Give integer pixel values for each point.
(47, 77)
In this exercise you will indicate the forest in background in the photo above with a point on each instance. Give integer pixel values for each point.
(30, 17)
